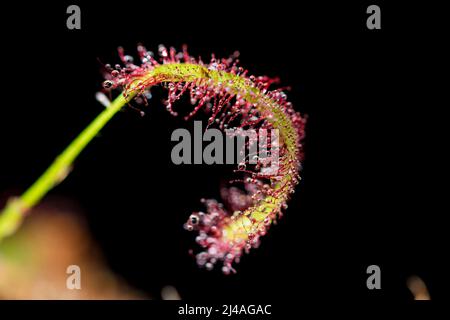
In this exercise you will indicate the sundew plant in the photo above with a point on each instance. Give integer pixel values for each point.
(232, 98)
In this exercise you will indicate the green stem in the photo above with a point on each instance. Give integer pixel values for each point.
(12, 215)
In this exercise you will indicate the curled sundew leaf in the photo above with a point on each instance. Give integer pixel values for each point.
(232, 98)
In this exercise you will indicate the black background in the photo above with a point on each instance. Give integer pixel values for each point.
(371, 190)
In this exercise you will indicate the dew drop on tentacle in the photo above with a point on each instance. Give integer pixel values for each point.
(107, 84)
(162, 51)
(128, 59)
